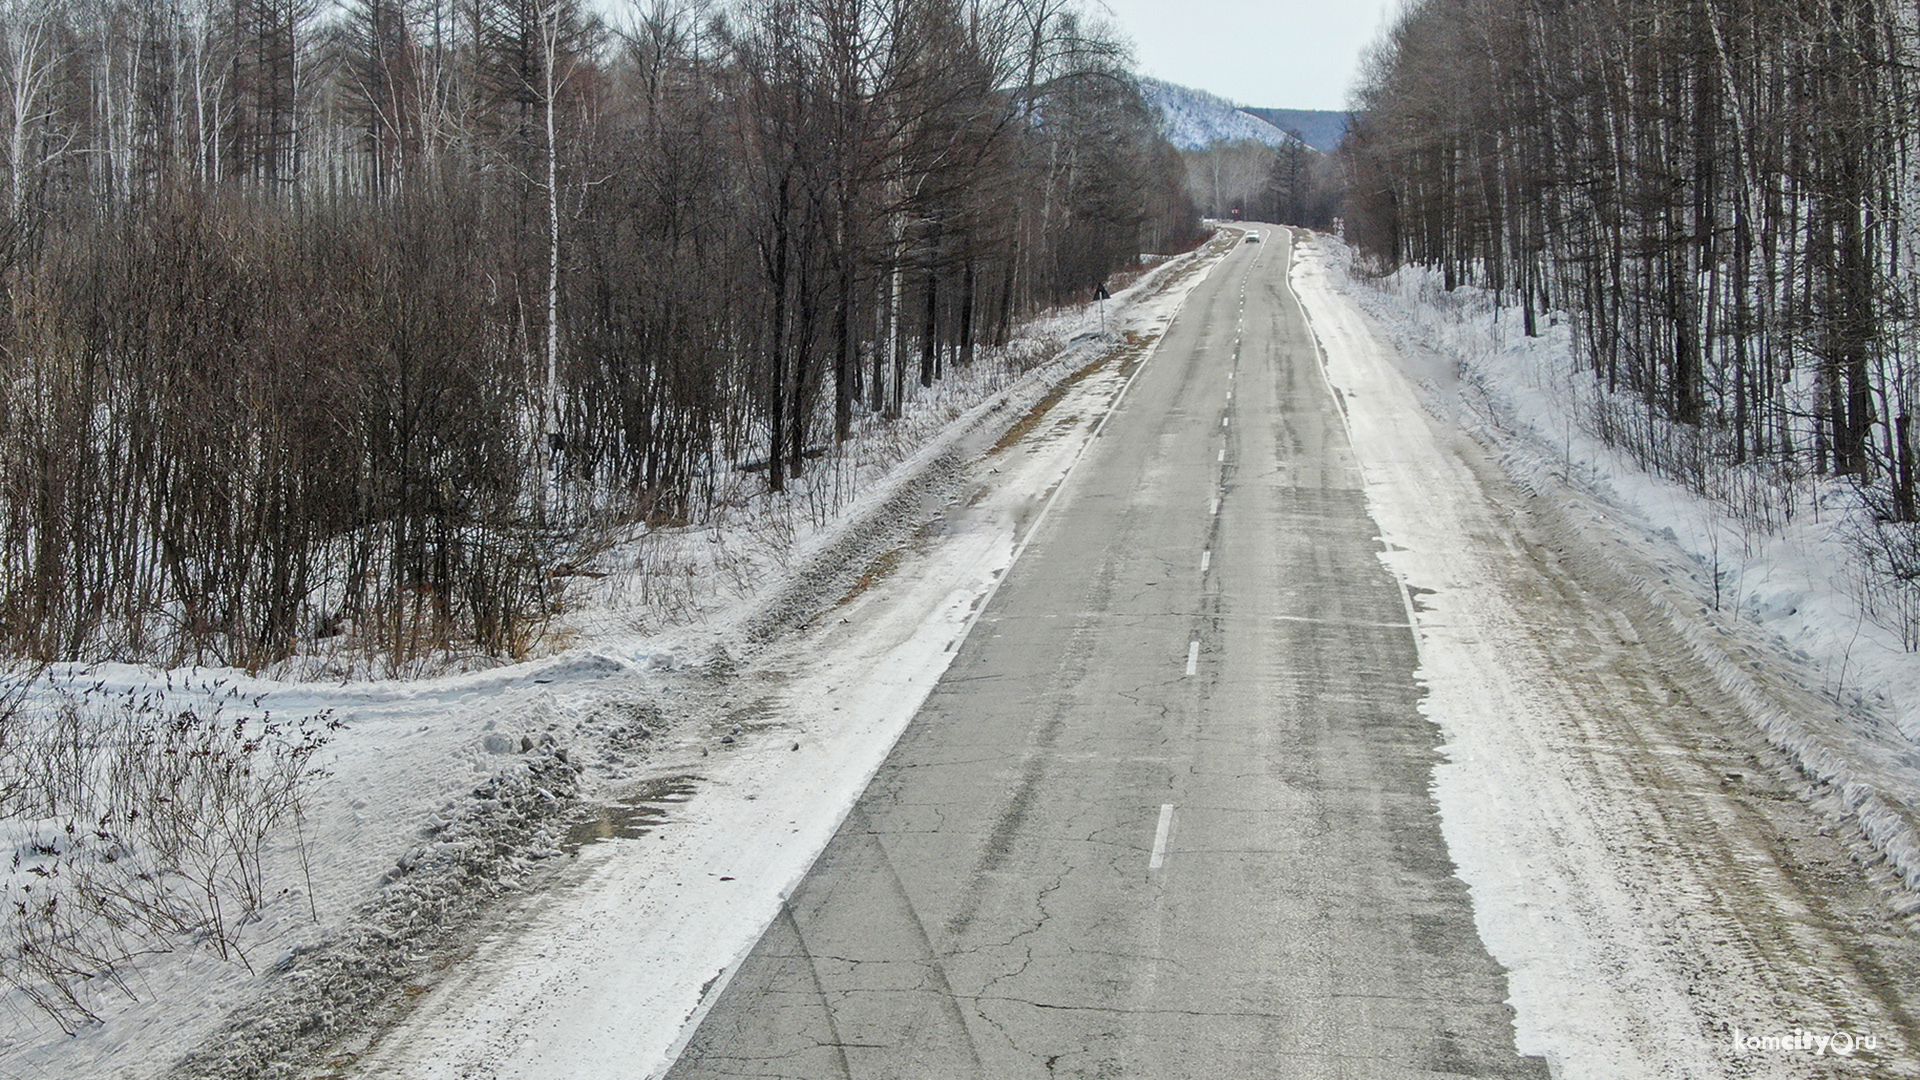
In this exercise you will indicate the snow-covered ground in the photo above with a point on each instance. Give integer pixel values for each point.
(546, 779)
(1654, 895)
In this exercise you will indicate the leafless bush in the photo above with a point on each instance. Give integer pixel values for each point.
(1888, 581)
(137, 826)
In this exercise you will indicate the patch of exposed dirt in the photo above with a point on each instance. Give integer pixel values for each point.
(1025, 426)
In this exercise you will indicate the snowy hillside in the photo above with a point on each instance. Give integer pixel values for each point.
(1195, 119)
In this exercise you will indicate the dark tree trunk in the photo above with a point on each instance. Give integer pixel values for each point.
(928, 342)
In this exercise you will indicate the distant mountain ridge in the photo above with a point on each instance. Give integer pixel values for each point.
(1194, 119)
(1321, 129)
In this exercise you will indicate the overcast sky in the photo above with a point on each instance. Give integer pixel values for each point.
(1274, 54)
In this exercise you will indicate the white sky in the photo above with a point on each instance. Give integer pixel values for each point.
(1275, 54)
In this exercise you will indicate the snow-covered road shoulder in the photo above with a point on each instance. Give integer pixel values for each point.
(1634, 848)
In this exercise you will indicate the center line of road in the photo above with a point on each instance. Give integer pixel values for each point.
(1160, 837)
(1193, 657)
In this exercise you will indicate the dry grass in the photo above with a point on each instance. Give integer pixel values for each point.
(876, 571)
(1025, 425)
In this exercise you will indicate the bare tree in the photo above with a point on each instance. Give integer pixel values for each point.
(1717, 192)
(346, 329)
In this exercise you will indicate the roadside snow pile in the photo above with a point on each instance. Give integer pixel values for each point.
(434, 796)
(1776, 556)
(514, 819)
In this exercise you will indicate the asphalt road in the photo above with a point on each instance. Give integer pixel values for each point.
(1168, 813)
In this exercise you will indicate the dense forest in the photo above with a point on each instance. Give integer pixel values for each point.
(1292, 184)
(1719, 193)
(324, 318)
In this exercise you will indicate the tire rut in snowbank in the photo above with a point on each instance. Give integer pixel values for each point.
(826, 574)
(315, 996)
(1846, 790)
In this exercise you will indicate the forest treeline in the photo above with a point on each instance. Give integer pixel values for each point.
(327, 318)
(1291, 184)
(1720, 193)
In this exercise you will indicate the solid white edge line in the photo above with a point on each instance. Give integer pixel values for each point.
(1159, 856)
(1320, 347)
(1347, 622)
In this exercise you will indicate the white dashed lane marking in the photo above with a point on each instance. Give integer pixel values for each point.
(1159, 856)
